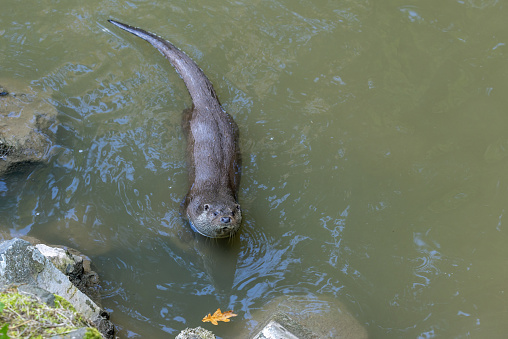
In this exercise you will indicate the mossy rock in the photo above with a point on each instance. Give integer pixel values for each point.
(24, 317)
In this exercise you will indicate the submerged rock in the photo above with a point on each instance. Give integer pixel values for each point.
(24, 264)
(282, 326)
(307, 317)
(27, 130)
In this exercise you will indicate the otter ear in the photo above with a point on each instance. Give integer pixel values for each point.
(206, 207)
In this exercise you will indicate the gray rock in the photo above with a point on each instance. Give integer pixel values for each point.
(76, 266)
(80, 333)
(103, 325)
(27, 126)
(282, 326)
(21, 263)
(16, 265)
(195, 333)
(307, 317)
(59, 257)
(40, 294)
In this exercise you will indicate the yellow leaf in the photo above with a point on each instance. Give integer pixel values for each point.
(219, 316)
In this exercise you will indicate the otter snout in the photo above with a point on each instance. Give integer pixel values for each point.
(220, 219)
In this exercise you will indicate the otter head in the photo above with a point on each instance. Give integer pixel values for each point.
(214, 218)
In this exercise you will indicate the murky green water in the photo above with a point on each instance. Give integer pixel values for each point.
(375, 145)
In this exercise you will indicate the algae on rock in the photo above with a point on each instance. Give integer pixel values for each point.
(28, 318)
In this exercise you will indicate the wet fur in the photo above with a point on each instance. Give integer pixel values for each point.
(211, 204)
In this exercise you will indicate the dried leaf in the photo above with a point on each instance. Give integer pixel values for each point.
(219, 316)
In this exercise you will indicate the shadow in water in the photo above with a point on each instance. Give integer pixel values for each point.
(219, 258)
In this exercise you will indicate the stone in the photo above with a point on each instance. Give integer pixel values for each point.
(103, 325)
(40, 294)
(27, 129)
(21, 263)
(195, 333)
(306, 317)
(17, 266)
(80, 333)
(282, 326)
(76, 266)
(59, 257)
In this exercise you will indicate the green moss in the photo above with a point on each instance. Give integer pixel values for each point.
(63, 303)
(27, 318)
(92, 333)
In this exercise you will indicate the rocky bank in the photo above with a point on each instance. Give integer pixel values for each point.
(45, 271)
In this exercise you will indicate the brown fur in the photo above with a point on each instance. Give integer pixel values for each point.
(211, 205)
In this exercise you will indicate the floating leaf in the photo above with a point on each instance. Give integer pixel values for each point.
(219, 316)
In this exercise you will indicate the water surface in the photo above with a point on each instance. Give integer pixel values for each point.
(374, 150)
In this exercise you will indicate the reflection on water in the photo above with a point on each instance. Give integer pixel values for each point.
(374, 159)
(426, 264)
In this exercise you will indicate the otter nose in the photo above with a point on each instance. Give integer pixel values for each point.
(225, 220)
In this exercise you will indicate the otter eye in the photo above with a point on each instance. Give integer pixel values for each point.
(238, 207)
(206, 207)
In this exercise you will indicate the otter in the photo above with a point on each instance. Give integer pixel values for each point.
(214, 160)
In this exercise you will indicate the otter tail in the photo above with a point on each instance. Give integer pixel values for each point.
(200, 88)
